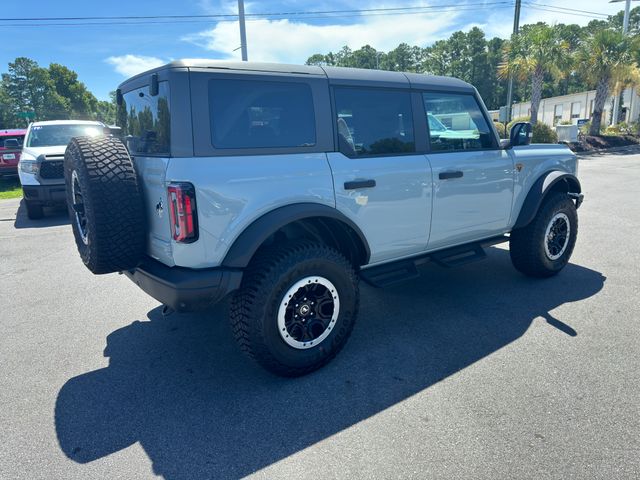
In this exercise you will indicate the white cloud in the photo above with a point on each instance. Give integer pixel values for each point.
(130, 65)
(294, 41)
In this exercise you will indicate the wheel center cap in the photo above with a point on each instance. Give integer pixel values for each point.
(305, 309)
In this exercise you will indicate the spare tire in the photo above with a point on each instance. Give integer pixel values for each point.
(106, 204)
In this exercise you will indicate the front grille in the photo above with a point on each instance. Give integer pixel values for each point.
(52, 169)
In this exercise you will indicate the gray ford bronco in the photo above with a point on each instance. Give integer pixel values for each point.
(284, 185)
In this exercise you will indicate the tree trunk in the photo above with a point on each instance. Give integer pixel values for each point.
(536, 93)
(602, 92)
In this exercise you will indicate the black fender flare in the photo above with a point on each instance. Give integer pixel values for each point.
(540, 189)
(253, 236)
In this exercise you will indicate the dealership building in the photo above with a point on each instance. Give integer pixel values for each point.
(578, 106)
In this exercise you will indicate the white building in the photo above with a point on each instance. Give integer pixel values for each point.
(577, 106)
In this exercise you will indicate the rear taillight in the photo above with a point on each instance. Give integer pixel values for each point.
(182, 212)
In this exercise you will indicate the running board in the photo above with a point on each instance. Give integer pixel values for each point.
(403, 270)
(458, 256)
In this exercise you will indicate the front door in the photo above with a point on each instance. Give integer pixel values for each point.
(473, 178)
(380, 182)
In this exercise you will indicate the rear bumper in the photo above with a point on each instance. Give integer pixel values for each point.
(8, 169)
(185, 289)
(45, 194)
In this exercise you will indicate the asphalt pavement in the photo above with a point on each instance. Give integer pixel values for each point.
(475, 372)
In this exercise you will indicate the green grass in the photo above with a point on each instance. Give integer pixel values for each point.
(10, 188)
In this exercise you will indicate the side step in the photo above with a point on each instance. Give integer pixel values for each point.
(402, 270)
(457, 256)
(390, 273)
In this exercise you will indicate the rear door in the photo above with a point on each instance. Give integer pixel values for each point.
(380, 181)
(473, 178)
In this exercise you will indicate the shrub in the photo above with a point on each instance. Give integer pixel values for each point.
(542, 133)
(566, 122)
(584, 129)
(501, 130)
(621, 128)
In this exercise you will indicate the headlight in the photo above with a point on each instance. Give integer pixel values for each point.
(29, 166)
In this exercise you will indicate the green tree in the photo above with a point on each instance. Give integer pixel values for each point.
(605, 58)
(106, 110)
(535, 52)
(83, 104)
(29, 88)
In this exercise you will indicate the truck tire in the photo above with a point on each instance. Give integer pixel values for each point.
(105, 204)
(34, 210)
(543, 248)
(296, 307)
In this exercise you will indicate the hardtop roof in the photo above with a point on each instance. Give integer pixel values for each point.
(337, 75)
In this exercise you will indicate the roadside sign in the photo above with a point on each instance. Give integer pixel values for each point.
(582, 121)
(27, 114)
(503, 115)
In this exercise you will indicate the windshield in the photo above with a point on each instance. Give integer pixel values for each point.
(55, 135)
(435, 125)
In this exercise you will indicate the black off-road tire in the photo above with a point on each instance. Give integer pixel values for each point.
(254, 308)
(527, 245)
(34, 210)
(113, 236)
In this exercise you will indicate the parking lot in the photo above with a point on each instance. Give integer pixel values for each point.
(475, 372)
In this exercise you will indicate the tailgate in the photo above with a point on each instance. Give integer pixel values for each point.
(151, 173)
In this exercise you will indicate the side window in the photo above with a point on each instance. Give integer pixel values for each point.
(373, 121)
(259, 114)
(456, 123)
(145, 120)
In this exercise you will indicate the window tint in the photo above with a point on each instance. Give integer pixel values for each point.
(258, 114)
(145, 120)
(374, 121)
(456, 123)
(4, 138)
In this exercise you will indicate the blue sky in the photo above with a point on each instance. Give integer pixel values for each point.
(104, 55)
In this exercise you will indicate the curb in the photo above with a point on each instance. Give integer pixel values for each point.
(632, 148)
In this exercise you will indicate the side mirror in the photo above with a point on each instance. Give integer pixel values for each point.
(521, 134)
(12, 144)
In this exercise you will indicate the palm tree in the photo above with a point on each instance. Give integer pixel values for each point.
(606, 58)
(537, 51)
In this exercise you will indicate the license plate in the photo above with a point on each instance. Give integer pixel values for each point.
(9, 156)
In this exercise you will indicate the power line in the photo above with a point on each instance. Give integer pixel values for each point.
(565, 11)
(568, 9)
(387, 10)
(433, 9)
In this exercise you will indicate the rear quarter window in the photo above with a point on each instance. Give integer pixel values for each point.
(261, 114)
(145, 120)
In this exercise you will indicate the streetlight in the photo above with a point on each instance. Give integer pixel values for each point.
(625, 30)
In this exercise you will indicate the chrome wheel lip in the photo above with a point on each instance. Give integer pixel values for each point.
(290, 294)
(548, 235)
(84, 235)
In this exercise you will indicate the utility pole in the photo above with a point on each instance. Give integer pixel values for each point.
(516, 29)
(625, 31)
(243, 31)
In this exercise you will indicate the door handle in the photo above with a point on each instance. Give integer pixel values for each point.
(448, 175)
(355, 184)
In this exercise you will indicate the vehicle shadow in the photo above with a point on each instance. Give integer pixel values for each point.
(53, 217)
(180, 387)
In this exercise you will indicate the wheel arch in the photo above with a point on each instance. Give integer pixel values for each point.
(546, 184)
(302, 220)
